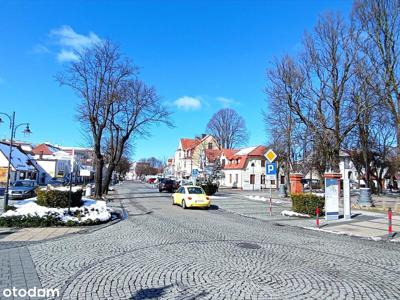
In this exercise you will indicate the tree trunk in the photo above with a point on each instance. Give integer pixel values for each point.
(108, 178)
(98, 178)
(398, 138)
(287, 177)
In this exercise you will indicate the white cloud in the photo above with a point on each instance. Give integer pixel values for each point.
(227, 102)
(188, 103)
(40, 49)
(67, 55)
(67, 37)
(68, 42)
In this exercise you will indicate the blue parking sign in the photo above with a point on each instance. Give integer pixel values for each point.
(271, 169)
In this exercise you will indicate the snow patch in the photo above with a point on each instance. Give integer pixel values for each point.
(290, 213)
(261, 198)
(217, 197)
(90, 210)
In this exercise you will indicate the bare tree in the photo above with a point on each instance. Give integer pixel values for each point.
(324, 70)
(96, 77)
(379, 24)
(228, 128)
(282, 127)
(123, 167)
(136, 110)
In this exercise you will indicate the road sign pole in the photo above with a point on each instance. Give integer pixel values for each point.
(270, 198)
(270, 155)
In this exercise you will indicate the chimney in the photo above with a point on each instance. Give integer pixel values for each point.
(203, 135)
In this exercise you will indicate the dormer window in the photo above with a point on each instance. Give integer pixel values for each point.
(210, 146)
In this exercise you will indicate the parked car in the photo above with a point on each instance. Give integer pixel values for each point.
(22, 189)
(315, 183)
(184, 182)
(191, 196)
(167, 185)
(58, 181)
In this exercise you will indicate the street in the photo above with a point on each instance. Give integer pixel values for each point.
(163, 251)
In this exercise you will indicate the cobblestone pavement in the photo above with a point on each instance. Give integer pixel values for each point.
(162, 251)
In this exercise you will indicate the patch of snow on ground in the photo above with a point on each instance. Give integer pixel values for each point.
(90, 210)
(261, 198)
(319, 194)
(290, 213)
(329, 231)
(217, 197)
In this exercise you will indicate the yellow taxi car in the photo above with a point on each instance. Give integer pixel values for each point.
(191, 196)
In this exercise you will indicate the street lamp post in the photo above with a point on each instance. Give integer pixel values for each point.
(13, 128)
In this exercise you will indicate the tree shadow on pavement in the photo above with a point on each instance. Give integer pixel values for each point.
(156, 293)
(150, 293)
(212, 207)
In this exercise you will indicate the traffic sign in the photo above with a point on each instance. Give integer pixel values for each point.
(271, 155)
(271, 169)
(195, 173)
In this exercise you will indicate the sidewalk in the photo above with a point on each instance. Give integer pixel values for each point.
(367, 225)
(364, 223)
(38, 234)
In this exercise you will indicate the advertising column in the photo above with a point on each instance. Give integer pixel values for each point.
(332, 194)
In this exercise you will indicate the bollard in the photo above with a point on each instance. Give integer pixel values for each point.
(317, 213)
(390, 220)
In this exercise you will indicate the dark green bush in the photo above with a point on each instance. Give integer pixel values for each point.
(210, 188)
(46, 221)
(307, 203)
(29, 221)
(58, 199)
(10, 207)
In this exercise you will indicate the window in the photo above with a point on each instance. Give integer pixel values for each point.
(262, 179)
(263, 163)
(223, 163)
(236, 178)
(230, 178)
(252, 178)
(195, 190)
(181, 190)
(272, 182)
(210, 146)
(282, 179)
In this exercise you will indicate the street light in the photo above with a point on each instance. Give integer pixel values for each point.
(13, 128)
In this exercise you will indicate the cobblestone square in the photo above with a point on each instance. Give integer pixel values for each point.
(164, 252)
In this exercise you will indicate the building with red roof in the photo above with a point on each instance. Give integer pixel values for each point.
(192, 155)
(245, 168)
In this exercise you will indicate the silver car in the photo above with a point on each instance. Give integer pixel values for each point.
(22, 189)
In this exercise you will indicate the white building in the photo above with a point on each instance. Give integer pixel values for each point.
(245, 168)
(52, 162)
(190, 156)
(21, 166)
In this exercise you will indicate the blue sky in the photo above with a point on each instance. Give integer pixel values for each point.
(203, 55)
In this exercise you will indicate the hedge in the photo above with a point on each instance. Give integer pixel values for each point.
(210, 188)
(45, 221)
(307, 203)
(58, 199)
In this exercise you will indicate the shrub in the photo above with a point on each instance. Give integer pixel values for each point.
(210, 188)
(57, 198)
(10, 207)
(307, 203)
(29, 221)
